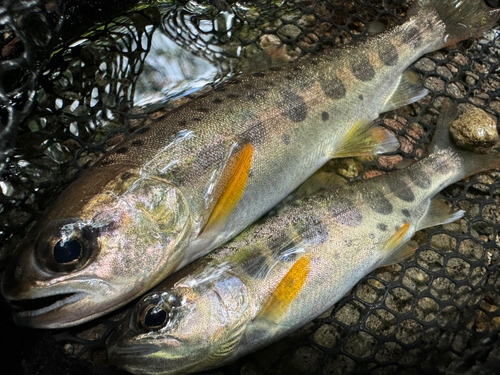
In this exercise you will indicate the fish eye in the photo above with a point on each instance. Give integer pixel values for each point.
(156, 313)
(155, 318)
(66, 252)
(65, 247)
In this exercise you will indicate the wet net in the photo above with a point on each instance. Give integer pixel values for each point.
(77, 89)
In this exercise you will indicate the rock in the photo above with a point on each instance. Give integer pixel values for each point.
(475, 130)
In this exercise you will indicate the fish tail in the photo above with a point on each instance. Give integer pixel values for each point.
(470, 162)
(463, 19)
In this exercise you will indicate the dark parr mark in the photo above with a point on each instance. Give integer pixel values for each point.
(382, 227)
(406, 212)
(332, 86)
(363, 70)
(420, 178)
(256, 267)
(286, 139)
(143, 130)
(412, 37)
(203, 109)
(295, 107)
(388, 54)
(325, 116)
(217, 101)
(346, 213)
(233, 96)
(137, 143)
(400, 189)
(255, 132)
(280, 247)
(121, 150)
(360, 97)
(379, 203)
(313, 229)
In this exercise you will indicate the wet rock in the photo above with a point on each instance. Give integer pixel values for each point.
(475, 130)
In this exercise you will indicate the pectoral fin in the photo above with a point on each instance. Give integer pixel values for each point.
(232, 192)
(364, 139)
(408, 91)
(286, 291)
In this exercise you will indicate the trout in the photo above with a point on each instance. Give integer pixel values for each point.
(185, 184)
(286, 270)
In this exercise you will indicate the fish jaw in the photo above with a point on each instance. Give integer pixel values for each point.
(123, 251)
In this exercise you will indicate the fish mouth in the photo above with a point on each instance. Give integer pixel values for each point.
(25, 308)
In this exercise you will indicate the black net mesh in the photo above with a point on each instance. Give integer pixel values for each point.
(437, 312)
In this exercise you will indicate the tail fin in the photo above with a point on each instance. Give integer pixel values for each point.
(471, 163)
(463, 19)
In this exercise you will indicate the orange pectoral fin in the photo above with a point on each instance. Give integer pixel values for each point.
(286, 291)
(233, 190)
(397, 238)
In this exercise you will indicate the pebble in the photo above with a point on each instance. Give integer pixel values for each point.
(475, 130)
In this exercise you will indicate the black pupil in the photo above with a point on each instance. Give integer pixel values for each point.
(67, 252)
(155, 317)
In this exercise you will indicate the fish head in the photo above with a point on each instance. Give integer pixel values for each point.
(191, 327)
(80, 263)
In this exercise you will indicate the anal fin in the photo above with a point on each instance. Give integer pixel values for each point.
(439, 213)
(286, 291)
(233, 190)
(409, 90)
(364, 139)
(397, 249)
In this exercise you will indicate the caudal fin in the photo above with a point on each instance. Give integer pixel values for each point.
(463, 19)
(471, 162)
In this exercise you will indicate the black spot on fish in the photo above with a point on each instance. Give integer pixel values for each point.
(286, 139)
(137, 143)
(248, 86)
(361, 97)
(346, 213)
(257, 267)
(143, 130)
(196, 119)
(217, 101)
(258, 74)
(325, 116)
(232, 96)
(379, 203)
(388, 54)
(420, 178)
(295, 107)
(255, 132)
(382, 227)
(122, 150)
(412, 37)
(125, 176)
(290, 77)
(203, 109)
(363, 70)
(405, 212)
(183, 123)
(400, 189)
(332, 86)
(372, 236)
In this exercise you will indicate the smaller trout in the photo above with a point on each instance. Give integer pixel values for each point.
(283, 272)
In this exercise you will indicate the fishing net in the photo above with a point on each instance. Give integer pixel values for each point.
(73, 91)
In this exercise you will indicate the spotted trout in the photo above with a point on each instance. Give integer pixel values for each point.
(286, 270)
(185, 184)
